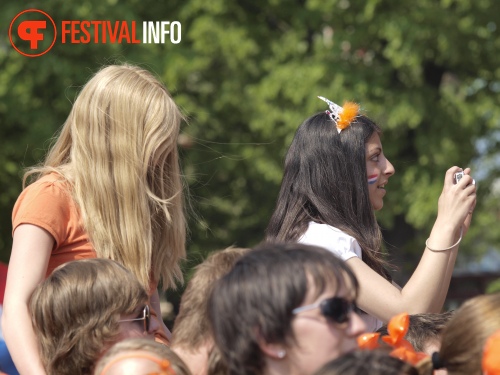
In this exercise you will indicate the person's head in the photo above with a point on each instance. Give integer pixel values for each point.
(191, 336)
(140, 357)
(118, 149)
(336, 179)
(373, 362)
(424, 331)
(284, 308)
(465, 335)
(83, 308)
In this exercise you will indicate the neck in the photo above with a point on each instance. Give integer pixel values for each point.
(279, 367)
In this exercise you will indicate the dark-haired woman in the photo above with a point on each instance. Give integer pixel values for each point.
(334, 179)
(284, 309)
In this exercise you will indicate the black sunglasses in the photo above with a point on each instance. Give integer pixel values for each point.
(336, 309)
(146, 316)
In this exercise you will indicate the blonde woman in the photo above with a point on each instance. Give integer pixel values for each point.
(110, 187)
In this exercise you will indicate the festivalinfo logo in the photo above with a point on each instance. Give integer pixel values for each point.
(34, 32)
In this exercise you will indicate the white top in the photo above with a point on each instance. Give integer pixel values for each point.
(343, 246)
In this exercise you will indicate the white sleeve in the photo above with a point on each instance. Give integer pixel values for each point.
(332, 239)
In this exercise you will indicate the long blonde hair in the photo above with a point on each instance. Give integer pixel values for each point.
(118, 151)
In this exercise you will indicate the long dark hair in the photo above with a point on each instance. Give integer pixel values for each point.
(325, 181)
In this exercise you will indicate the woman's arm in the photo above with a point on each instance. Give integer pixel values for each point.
(427, 287)
(454, 252)
(30, 255)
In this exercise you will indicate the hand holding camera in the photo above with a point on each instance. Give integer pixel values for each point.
(458, 176)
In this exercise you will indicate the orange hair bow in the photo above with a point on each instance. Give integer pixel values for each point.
(491, 355)
(397, 329)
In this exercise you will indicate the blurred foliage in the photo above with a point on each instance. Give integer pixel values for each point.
(493, 287)
(247, 73)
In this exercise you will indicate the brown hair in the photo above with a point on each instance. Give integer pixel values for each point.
(254, 301)
(192, 328)
(75, 312)
(424, 328)
(373, 362)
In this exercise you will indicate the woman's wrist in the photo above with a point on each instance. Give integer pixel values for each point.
(443, 235)
(438, 249)
(443, 227)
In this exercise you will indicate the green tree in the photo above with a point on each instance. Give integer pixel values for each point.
(247, 73)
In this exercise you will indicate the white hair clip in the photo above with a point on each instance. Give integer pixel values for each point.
(341, 116)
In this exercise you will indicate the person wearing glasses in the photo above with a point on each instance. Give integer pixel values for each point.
(82, 309)
(335, 178)
(284, 309)
(110, 187)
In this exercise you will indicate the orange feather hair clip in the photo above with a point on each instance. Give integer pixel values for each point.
(341, 116)
(348, 114)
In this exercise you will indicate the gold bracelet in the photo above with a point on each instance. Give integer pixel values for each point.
(448, 248)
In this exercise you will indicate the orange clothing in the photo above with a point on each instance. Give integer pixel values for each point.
(48, 204)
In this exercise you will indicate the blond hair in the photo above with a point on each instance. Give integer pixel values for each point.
(140, 344)
(466, 333)
(118, 151)
(76, 311)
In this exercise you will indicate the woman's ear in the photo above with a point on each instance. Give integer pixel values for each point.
(272, 350)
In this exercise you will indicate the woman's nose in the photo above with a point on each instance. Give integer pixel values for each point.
(389, 168)
(357, 326)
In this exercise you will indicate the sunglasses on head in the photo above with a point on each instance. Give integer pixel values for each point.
(146, 316)
(336, 309)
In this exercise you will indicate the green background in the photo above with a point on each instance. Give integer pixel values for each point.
(247, 73)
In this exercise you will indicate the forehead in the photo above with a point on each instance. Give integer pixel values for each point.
(373, 142)
(336, 285)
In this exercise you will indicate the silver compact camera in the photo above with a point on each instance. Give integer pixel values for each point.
(458, 176)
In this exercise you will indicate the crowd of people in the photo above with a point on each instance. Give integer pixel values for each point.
(100, 228)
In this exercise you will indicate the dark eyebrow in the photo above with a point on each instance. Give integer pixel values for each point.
(377, 149)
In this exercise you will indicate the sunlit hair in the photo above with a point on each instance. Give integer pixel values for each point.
(254, 301)
(191, 333)
(118, 150)
(130, 346)
(192, 328)
(325, 181)
(373, 362)
(466, 333)
(75, 312)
